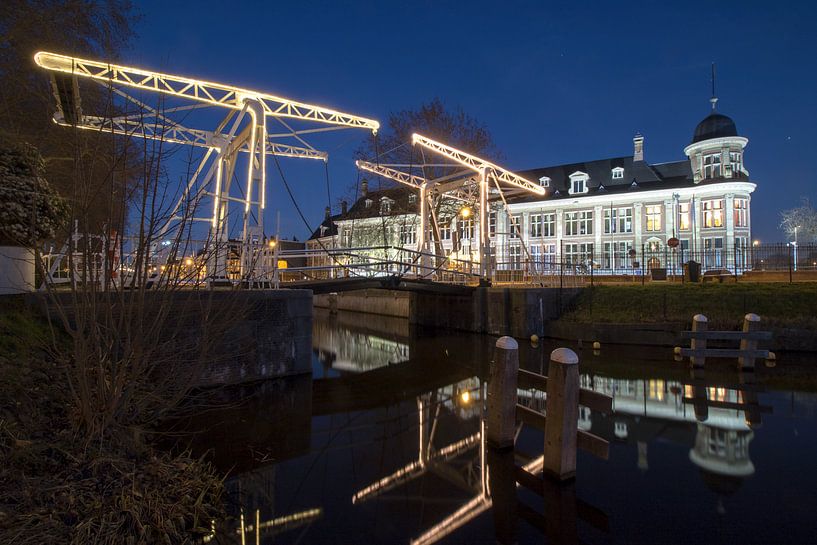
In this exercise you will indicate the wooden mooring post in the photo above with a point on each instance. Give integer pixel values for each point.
(502, 396)
(561, 425)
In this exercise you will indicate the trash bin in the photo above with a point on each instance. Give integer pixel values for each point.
(693, 271)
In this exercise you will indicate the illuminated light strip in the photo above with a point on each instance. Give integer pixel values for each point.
(182, 135)
(395, 478)
(250, 163)
(385, 482)
(218, 191)
(401, 177)
(300, 516)
(216, 94)
(456, 520)
(469, 511)
(479, 165)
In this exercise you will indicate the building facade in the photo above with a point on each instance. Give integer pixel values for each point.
(613, 216)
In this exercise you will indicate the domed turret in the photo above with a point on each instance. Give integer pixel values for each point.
(716, 150)
(714, 125)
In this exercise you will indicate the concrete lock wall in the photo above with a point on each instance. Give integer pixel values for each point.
(518, 312)
(382, 302)
(256, 335)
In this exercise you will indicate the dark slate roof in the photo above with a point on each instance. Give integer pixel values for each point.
(714, 125)
(638, 176)
(331, 228)
(400, 205)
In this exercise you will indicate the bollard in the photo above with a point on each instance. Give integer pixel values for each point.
(699, 323)
(561, 424)
(751, 322)
(501, 420)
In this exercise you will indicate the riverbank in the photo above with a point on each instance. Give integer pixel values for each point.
(655, 314)
(56, 486)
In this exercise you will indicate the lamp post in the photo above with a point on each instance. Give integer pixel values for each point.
(794, 246)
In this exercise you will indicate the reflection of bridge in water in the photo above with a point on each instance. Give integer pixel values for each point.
(408, 417)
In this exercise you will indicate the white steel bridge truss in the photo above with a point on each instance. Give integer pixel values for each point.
(243, 130)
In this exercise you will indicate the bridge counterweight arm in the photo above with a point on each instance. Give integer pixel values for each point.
(216, 94)
(406, 179)
(479, 165)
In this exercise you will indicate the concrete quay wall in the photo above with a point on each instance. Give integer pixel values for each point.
(519, 312)
(241, 336)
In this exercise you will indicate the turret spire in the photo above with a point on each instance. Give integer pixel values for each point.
(714, 99)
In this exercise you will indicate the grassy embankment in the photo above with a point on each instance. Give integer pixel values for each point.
(54, 487)
(779, 305)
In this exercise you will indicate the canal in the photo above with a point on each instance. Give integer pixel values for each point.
(383, 444)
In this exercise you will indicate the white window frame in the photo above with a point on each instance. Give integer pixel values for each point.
(712, 210)
(544, 181)
(536, 226)
(618, 173)
(578, 183)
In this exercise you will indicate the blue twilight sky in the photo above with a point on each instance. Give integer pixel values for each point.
(554, 83)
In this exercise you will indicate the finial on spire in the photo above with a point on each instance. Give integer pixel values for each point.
(714, 99)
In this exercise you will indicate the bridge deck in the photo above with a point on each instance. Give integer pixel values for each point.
(393, 282)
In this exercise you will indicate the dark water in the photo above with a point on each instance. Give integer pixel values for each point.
(383, 445)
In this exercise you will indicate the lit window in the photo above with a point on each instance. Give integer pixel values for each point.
(713, 213)
(741, 212)
(618, 173)
(654, 217)
(683, 216)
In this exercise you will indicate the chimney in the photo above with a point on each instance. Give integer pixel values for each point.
(344, 207)
(328, 213)
(638, 147)
(364, 187)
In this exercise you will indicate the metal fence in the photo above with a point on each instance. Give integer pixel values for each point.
(781, 262)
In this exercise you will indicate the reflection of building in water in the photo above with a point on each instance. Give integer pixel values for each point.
(353, 351)
(645, 409)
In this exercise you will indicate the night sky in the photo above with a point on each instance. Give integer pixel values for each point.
(554, 83)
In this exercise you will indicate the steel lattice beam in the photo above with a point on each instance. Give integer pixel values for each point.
(401, 177)
(216, 94)
(178, 134)
(479, 165)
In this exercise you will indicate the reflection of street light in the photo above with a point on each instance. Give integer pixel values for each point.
(188, 261)
(465, 396)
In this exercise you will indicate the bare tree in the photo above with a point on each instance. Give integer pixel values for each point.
(800, 222)
(432, 119)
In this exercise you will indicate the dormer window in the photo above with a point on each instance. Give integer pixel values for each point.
(412, 198)
(385, 206)
(368, 203)
(712, 165)
(618, 173)
(544, 181)
(578, 183)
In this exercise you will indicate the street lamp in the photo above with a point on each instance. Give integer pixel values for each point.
(794, 246)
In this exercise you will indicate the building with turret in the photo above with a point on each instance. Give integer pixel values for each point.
(613, 215)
